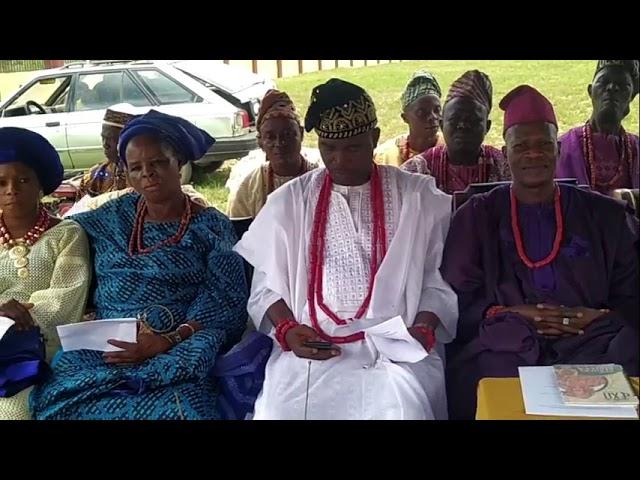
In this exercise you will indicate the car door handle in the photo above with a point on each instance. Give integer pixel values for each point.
(52, 124)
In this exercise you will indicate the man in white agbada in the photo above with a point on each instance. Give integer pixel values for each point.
(315, 247)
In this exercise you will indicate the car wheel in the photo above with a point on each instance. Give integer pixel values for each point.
(185, 173)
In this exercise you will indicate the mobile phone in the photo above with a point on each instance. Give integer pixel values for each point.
(319, 345)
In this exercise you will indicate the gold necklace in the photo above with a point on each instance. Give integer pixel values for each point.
(18, 253)
(19, 248)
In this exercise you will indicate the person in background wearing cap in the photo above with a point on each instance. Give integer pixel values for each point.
(158, 255)
(463, 159)
(421, 111)
(107, 180)
(601, 153)
(337, 263)
(44, 262)
(109, 175)
(280, 137)
(543, 271)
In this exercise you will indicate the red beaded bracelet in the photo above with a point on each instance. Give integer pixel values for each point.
(281, 332)
(495, 310)
(428, 334)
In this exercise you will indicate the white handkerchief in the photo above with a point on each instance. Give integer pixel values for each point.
(393, 340)
(93, 335)
(5, 324)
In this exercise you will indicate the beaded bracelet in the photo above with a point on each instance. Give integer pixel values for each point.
(428, 334)
(495, 310)
(281, 332)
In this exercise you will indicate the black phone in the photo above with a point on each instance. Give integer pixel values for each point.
(319, 345)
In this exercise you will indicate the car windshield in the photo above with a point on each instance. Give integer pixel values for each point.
(50, 93)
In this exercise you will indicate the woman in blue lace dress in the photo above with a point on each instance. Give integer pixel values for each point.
(158, 253)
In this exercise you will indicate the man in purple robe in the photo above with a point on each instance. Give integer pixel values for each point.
(600, 153)
(544, 273)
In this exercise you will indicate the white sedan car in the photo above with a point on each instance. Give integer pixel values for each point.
(66, 105)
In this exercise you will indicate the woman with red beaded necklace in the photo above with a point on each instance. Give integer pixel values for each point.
(338, 263)
(44, 262)
(601, 153)
(280, 137)
(545, 273)
(167, 260)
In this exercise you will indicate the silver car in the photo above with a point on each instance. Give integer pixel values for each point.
(66, 105)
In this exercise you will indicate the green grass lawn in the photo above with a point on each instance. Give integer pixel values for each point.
(564, 82)
(211, 185)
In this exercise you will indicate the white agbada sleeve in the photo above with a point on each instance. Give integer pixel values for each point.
(437, 295)
(261, 298)
(274, 246)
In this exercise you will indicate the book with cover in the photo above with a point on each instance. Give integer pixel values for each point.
(594, 385)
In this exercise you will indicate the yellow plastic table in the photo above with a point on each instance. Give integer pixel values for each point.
(501, 399)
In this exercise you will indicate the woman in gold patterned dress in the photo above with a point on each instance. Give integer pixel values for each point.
(44, 261)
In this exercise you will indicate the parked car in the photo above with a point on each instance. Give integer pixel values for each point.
(66, 105)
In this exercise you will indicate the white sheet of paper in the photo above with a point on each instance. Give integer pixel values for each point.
(542, 397)
(393, 340)
(5, 324)
(93, 335)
